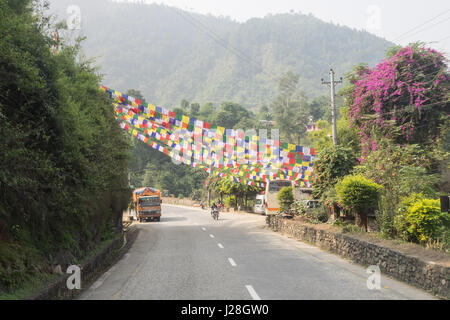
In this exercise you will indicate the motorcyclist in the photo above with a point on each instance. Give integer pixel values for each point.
(213, 207)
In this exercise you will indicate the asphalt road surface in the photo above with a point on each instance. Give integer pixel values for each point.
(188, 255)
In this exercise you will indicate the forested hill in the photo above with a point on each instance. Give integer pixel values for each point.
(170, 55)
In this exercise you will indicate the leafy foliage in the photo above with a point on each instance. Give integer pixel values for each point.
(398, 169)
(285, 198)
(421, 220)
(332, 163)
(347, 135)
(63, 159)
(237, 191)
(404, 98)
(358, 193)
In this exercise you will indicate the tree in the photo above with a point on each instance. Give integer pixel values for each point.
(205, 112)
(226, 186)
(404, 98)
(347, 135)
(136, 94)
(63, 159)
(184, 104)
(290, 109)
(194, 109)
(359, 195)
(320, 108)
(229, 114)
(332, 163)
(286, 199)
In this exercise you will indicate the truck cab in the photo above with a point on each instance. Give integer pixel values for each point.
(147, 202)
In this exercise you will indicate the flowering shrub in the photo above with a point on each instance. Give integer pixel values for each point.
(405, 97)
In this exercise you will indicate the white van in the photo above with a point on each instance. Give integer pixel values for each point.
(260, 204)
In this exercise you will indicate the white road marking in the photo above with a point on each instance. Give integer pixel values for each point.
(232, 262)
(211, 235)
(252, 292)
(220, 245)
(203, 228)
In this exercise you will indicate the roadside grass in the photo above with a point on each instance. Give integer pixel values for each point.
(29, 288)
(24, 271)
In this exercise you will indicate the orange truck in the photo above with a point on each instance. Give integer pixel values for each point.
(147, 203)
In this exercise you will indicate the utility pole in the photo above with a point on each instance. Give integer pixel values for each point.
(209, 188)
(332, 84)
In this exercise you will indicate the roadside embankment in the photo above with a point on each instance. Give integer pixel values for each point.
(428, 275)
(180, 202)
(91, 269)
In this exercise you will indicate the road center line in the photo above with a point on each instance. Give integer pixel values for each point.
(252, 292)
(232, 262)
(203, 228)
(220, 245)
(136, 271)
(211, 235)
(116, 295)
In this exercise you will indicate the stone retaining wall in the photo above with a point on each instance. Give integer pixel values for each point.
(430, 276)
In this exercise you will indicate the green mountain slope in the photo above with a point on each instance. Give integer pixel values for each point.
(169, 54)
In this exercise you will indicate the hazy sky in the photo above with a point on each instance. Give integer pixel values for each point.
(390, 19)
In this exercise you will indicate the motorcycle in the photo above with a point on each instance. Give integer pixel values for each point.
(215, 213)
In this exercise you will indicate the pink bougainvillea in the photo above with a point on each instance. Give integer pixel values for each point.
(394, 98)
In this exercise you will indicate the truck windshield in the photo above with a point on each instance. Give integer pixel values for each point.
(275, 186)
(149, 201)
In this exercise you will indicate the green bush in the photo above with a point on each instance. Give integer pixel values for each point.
(359, 195)
(286, 199)
(300, 208)
(385, 223)
(421, 220)
(351, 228)
(397, 169)
(319, 215)
(347, 227)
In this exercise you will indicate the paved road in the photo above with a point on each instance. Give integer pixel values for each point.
(189, 256)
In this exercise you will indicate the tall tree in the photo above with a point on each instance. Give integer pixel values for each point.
(290, 109)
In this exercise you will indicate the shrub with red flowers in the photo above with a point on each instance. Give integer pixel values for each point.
(405, 97)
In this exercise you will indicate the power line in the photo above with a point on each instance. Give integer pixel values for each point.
(422, 24)
(222, 42)
(443, 39)
(446, 19)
